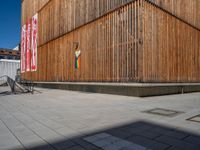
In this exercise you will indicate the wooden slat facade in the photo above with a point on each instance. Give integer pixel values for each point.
(137, 42)
(75, 13)
(109, 49)
(171, 48)
(30, 7)
(72, 14)
(188, 10)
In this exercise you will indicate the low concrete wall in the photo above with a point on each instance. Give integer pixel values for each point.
(139, 90)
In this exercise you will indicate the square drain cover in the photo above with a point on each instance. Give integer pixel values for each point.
(163, 112)
(195, 118)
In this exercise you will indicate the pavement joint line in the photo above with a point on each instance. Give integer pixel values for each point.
(12, 132)
(185, 137)
(143, 136)
(192, 119)
(155, 111)
(20, 108)
(41, 122)
(27, 128)
(170, 146)
(110, 140)
(156, 137)
(43, 125)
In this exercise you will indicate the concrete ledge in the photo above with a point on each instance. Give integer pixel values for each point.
(128, 89)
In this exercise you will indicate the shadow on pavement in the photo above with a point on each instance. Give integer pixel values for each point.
(7, 92)
(138, 135)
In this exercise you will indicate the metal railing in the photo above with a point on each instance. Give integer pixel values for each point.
(29, 85)
(17, 87)
(3, 80)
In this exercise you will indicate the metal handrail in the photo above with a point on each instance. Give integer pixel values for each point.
(3, 76)
(3, 80)
(14, 84)
(29, 85)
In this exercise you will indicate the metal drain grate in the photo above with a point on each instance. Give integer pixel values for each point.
(163, 112)
(195, 118)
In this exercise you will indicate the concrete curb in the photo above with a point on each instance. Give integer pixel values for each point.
(135, 89)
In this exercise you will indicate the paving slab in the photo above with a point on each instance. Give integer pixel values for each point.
(59, 120)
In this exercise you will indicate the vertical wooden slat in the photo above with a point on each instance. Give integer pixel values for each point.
(137, 42)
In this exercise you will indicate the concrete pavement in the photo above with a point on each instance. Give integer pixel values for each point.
(66, 120)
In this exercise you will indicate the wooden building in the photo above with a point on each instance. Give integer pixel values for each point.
(119, 40)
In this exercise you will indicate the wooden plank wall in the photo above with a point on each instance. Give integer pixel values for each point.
(171, 51)
(74, 13)
(62, 16)
(187, 10)
(30, 8)
(114, 50)
(109, 51)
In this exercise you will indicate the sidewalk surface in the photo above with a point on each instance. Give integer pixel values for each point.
(66, 120)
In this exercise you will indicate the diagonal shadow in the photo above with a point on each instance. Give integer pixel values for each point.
(5, 93)
(139, 135)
